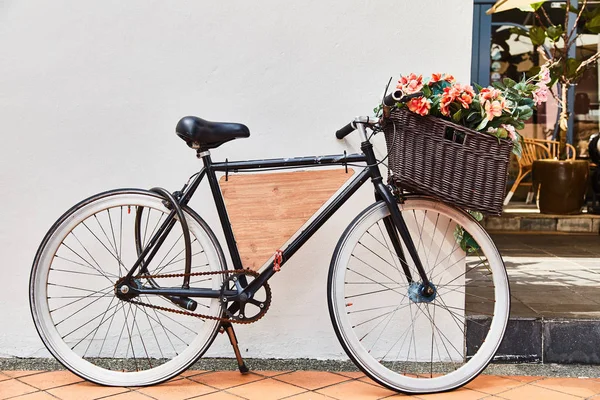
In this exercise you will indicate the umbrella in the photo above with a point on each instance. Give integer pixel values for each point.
(503, 5)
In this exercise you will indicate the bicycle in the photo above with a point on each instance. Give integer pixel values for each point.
(417, 292)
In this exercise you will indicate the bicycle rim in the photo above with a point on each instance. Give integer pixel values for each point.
(90, 330)
(400, 338)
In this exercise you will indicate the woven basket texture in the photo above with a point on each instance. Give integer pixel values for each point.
(458, 165)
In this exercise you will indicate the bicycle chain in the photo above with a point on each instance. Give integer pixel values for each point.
(254, 274)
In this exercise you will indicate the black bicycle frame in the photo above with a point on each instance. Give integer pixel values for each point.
(394, 223)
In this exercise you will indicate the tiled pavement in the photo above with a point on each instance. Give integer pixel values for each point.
(297, 385)
(552, 276)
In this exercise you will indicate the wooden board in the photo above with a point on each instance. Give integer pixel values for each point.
(266, 209)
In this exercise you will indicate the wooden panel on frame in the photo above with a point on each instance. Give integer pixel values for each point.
(266, 209)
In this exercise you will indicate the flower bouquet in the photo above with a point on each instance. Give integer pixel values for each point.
(500, 110)
(454, 141)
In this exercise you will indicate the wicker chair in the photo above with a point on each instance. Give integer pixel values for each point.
(536, 149)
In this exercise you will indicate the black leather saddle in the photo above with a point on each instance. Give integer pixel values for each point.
(204, 135)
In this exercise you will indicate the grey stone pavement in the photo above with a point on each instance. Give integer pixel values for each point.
(552, 276)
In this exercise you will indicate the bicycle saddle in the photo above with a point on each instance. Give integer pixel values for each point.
(201, 134)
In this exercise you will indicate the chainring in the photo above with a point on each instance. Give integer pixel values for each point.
(245, 315)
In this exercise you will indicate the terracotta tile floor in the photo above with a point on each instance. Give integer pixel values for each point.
(296, 385)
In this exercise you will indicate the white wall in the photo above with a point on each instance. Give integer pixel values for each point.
(90, 93)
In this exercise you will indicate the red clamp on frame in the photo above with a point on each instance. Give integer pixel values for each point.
(277, 261)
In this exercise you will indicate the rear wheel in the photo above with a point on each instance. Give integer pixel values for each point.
(100, 336)
(399, 335)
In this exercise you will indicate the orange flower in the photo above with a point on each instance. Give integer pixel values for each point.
(463, 94)
(447, 98)
(410, 84)
(419, 105)
(435, 78)
(493, 109)
(465, 99)
(441, 77)
(488, 93)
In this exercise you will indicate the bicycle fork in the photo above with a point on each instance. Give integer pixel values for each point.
(395, 224)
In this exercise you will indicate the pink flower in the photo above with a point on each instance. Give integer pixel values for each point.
(493, 109)
(419, 105)
(512, 133)
(540, 95)
(545, 75)
(410, 84)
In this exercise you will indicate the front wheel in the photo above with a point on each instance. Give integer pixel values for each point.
(400, 336)
(103, 337)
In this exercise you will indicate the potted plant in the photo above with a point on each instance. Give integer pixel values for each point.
(561, 183)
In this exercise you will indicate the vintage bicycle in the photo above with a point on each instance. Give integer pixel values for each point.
(130, 287)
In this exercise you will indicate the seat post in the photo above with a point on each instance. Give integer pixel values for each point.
(202, 153)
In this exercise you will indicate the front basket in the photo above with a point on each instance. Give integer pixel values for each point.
(458, 165)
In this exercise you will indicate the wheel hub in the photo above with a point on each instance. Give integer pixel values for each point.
(123, 289)
(420, 293)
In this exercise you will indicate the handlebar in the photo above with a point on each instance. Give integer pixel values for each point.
(345, 131)
(389, 101)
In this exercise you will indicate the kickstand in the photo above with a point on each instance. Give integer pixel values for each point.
(227, 327)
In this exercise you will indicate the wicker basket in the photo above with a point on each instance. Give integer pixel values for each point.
(460, 166)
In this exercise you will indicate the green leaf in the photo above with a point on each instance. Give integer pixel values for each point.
(519, 31)
(572, 65)
(531, 88)
(502, 133)
(593, 25)
(498, 85)
(457, 116)
(427, 92)
(482, 124)
(527, 102)
(472, 116)
(517, 148)
(537, 5)
(468, 244)
(478, 87)
(554, 32)
(537, 34)
(477, 215)
(524, 112)
(509, 83)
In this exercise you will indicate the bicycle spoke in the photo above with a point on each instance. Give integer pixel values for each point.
(103, 245)
(375, 282)
(373, 268)
(368, 293)
(95, 331)
(395, 329)
(99, 269)
(79, 298)
(87, 325)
